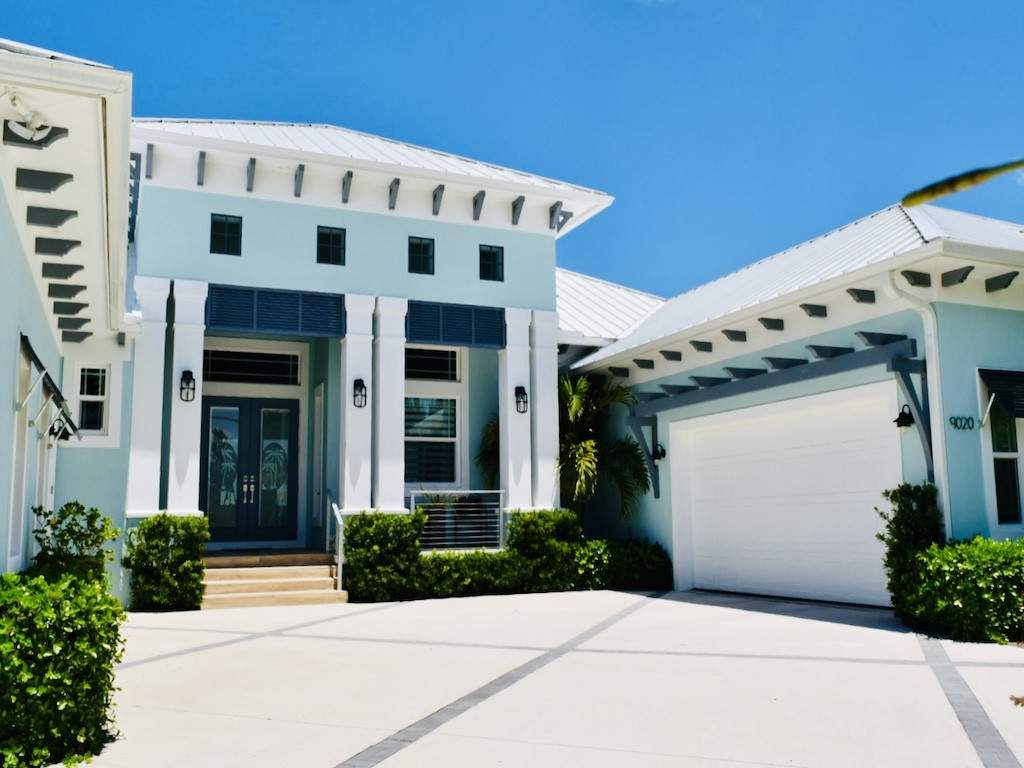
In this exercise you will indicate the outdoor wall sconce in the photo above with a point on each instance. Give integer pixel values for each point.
(658, 453)
(359, 393)
(58, 427)
(522, 401)
(187, 388)
(905, 419)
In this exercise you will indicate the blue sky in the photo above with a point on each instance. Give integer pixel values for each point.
(725, 130)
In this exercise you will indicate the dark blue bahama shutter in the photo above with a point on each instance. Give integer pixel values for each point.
(288, 313)
(277, 311)
(457, 324)
(423, 322)
(231, 308)
(323, 314)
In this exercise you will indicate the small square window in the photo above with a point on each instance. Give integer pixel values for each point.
(90, 415)
(226, 234)
(492, 262)
(330, 245)
(421, 255)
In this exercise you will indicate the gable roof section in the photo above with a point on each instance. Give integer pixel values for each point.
(862, 243)
(347, 144)
(596, 312)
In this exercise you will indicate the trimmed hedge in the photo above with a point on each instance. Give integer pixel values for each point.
(914, 524)
(546, 552)
(59, 642)
(970, 590)
(165, 557)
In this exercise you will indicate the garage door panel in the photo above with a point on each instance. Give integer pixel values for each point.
(781, 497)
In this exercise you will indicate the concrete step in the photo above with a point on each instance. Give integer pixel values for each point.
(265, 559)
(268, 572)
(240, 586)
(255, 599)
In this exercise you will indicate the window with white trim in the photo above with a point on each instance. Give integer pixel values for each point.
(1006, 463)
(431, 438)
(93, 388)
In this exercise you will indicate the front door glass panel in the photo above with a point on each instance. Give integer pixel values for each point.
(275, 463)
(222, 467)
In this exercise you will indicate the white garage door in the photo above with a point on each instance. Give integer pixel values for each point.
(779, 499)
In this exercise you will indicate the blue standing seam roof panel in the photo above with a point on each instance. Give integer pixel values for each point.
(456, 324)
(258, 310)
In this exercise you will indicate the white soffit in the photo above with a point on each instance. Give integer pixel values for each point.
(596, 312)
(871, 240)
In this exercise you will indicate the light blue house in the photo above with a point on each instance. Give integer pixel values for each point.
(768, 400)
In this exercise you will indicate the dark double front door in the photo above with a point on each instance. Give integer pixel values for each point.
(248, 485)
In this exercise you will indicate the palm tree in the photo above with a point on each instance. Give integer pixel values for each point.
(588, 456)
(960, 182)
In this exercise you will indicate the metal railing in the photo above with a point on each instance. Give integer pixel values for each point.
(336, 536)
(461, 519)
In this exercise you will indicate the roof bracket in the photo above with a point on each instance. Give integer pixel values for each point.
(861, 295)
(815, 310)
(745, 373)
(554, 215)
(733, 335)
(393, 193)
(621, 372)
(563, 219)
(919, 407)
(300, 171)
(478, 204)
(772, 323)
(645, 363)
(956, 276)
(876, 339)
(250, 174)
(782, 363)
(671, 355)
(917, 279)
(437, 197)
(1000, 282)
(702, 346)
(201, 168)
(677, 389)
(824, 352)
(149, 161)
(517, 209)
(709, 381)
(346, 185)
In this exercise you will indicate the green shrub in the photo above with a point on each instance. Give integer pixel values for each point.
(545, 542)
(462, 574)
(165, 557)
(592, 559)
(971, 590)
(382, 556)
(638, 564)
(59, 642)
(914, 525)
(72, 540)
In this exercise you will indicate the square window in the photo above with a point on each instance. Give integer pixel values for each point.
(90, 415)
(421, 255)
(93, 381)
(225, 234)
(492, 262)
(330, 245)
(431, 364)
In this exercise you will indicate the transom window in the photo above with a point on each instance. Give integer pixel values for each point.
(1006, 463)
(430, 439)
(244, 367)
(92, 399)
(492, 262)
(431, 364)
(421, 255)
(330, 245)
(225, 234)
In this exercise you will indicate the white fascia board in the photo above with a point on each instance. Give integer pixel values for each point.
(117, 137)
(53, 74)
(983, 253)
(600, 360)
(592, 200)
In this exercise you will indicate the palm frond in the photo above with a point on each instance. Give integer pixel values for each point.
(578, 468)
(626, 469)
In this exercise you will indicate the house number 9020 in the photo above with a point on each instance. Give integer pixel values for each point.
(962, 422)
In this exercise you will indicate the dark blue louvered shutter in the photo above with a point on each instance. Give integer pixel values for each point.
(323, 314)
(488, 327)
(277, 311)
(423, 322)
(230, 308)
(456, 324)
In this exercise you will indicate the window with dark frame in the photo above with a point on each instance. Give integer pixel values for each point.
(225, 234)
(431, 364)
(492, 263)
(1006, 464)
(244, 367)
(92, 396)
(330, 246)
(430, 440)
(421, 255)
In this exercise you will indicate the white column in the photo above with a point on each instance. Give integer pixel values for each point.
(143, 494)
(544, 408)
(186, 418)
(389, 404)
(356, 423)
(514, 427)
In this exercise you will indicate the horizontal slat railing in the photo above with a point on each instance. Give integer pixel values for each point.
(461, 519)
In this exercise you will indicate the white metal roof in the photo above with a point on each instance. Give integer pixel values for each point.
(30, 50)
(332, 141)
(862, 243)
(596, 312)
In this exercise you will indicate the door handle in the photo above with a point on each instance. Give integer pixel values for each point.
(252, 487)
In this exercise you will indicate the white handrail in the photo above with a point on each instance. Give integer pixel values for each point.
(339, 524)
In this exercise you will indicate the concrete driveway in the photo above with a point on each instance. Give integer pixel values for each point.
(570, 679)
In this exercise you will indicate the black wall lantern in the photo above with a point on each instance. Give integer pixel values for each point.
(658, 453)
(187, 388)
(905, 419)
(359, 393)
(522, 401)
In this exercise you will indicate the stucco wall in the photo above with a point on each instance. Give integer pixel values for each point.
(279, 251)
(972, 337)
